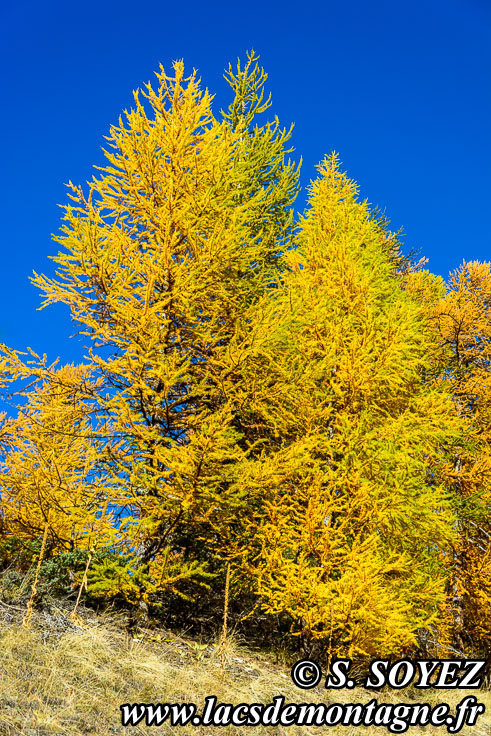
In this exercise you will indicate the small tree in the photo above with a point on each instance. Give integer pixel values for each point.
(49, 474)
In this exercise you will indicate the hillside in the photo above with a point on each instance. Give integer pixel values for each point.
(69, 678)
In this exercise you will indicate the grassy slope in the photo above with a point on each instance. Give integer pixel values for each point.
(66, 678)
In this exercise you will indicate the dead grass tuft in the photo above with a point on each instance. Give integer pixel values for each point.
(70, 680)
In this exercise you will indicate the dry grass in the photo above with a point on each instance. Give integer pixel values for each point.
(70, 679)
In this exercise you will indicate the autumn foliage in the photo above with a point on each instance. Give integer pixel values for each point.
(287, 396)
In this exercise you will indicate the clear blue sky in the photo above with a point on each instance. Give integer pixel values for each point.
(400, 89)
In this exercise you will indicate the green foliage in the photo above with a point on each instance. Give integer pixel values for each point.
(23, 551)
(114, 577)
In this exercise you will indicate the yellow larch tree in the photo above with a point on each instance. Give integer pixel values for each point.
(459, 316)
(161, 264)
(348, 516)
(49, 470)
(288, 401)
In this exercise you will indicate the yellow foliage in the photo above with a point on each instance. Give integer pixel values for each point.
(461, 323)
(349, 517)
(295, 402)
(49, 475)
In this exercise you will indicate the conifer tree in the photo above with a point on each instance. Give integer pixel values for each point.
(290, 402)
(460, 321)
(49, 472)
(348, 519)
(162, 263)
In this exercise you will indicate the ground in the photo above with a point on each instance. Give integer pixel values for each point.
(69, 677)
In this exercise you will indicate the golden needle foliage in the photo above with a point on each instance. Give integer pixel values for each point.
(50, 471)
(459, 317)
(163, 262)
(285, 401)
(351, 518)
